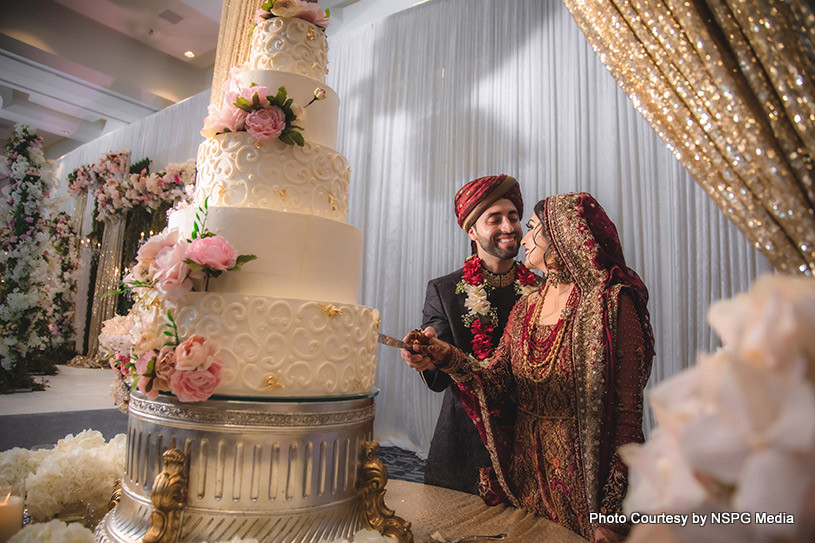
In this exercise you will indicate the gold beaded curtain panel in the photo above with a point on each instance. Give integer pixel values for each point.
(730, 87)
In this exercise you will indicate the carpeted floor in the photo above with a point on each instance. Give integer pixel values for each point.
(401, 464)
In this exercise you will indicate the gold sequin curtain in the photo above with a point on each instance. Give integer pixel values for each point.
(233, 41)
(730, 87)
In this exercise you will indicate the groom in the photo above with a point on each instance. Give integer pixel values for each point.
(469, 308)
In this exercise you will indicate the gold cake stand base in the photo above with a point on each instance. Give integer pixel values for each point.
(275, 471)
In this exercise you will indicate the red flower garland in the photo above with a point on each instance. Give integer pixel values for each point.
(482, 329)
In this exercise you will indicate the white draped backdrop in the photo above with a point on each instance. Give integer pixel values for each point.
(451, 90)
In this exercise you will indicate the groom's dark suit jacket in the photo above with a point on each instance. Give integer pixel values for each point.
(456, 451)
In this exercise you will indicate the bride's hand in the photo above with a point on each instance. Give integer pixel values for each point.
(433, 352)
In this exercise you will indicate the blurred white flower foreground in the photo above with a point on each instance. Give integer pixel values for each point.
(736, 432)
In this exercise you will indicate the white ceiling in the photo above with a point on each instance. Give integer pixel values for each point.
(76, 69)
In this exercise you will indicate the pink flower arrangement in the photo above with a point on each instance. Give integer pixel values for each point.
(256, 110)
(308, 11)
(189, 369)
(80, 180)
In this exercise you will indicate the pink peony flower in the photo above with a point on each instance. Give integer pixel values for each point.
(172, 274)
(195, 353)
(196, 386)
(266, 123)
(156, 243)
(315, 15)
(215, 253)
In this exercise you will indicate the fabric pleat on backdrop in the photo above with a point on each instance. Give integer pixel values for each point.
(451, 90)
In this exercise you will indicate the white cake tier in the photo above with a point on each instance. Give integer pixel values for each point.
(234, 170)
(299, 256)
(319, 123)
(284, 347)
(289, 45)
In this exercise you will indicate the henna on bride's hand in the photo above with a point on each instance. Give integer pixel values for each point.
(439, 352)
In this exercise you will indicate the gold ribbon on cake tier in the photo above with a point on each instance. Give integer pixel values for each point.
(107, 280)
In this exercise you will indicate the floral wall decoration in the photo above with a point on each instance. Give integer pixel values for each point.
(130, 194)
(27, 272)
(64, 265)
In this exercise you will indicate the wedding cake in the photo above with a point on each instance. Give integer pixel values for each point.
(286, 325)
(252, 365)
(271, 185)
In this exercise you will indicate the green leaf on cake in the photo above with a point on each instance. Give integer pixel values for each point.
(241, 260)
(193, 264)
(292, 137)
(244, 104)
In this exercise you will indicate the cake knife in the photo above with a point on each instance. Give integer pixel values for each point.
(392, 341)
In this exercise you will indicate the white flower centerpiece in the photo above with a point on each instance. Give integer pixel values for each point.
(76, 476)
(734, 448)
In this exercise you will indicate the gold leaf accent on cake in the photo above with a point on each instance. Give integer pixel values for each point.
(310, 34)
(356, 383)
(258, 146)
(282, 194)
(313, 65)
(376, 323)
(331, 310)
(221, 190)
(332, 202)
(270, 382)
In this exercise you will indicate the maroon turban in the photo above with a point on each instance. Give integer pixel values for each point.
(476, 196)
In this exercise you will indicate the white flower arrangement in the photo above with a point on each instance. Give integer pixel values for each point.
(27, 254)
(54, 531)
(80, 470)
(736, 432)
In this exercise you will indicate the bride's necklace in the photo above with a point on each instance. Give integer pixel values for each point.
(528, 338)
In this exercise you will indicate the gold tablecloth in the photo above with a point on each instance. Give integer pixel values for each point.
(453, 514)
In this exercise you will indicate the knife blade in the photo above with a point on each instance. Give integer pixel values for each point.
(385, 339)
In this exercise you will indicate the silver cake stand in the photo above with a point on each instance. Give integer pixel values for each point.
(276, 471)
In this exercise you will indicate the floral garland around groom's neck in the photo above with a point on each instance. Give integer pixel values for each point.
(482, 318)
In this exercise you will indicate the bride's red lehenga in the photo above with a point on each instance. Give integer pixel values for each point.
(550, 407)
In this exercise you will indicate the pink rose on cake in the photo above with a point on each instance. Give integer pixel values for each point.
(213, 252)
(264, 124)
(195, 353)
(172, 274)
(196, 385)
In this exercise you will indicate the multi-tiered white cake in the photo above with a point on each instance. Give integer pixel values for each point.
(287, 324)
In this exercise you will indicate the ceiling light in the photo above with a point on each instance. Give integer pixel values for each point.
(189, 54)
